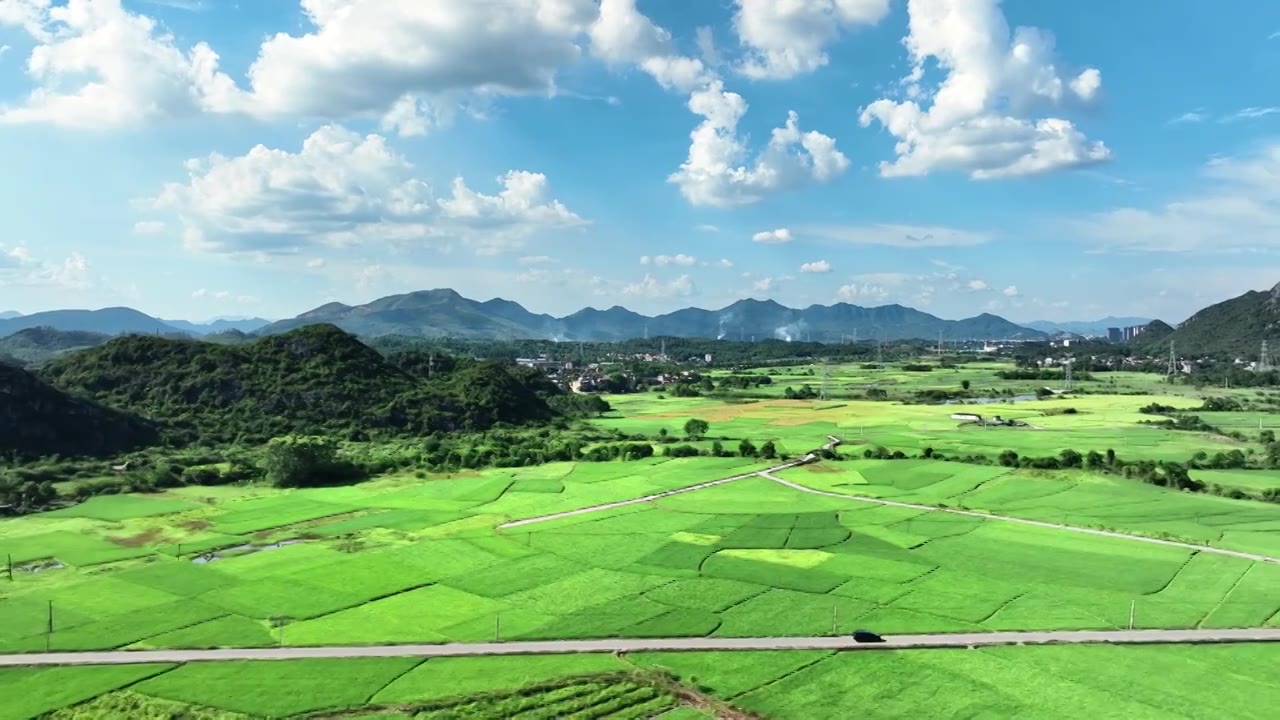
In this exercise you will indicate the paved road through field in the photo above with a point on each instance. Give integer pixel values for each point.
(1024, 521)
(554, 647)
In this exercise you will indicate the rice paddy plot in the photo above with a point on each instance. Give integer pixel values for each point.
(32, 692)
(266, 513)
(449, 677)
(75, 549)
(278, 688)
(125, 507)
(1249, 480)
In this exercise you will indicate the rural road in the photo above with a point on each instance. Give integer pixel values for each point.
(552, 647)
(802, 460)
(1024, 521)
(832, 441)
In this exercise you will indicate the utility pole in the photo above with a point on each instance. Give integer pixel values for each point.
(48, 630)
(497, 627)
(879, 352)
(1132, 607)
(1070, 362)
(826, 382)
(835, 623)
(11, 554)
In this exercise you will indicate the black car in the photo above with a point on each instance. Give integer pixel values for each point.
(866, 636)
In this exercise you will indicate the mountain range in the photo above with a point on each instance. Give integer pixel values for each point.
(1097, 328)
(119, 321)
(9, 314)
(445, 313)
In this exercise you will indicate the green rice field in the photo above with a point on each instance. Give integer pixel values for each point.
(405, 559)
(1045, 682)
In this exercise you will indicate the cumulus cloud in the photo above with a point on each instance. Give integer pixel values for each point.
(19, 267)
(715, 174)
(621, 35)
(341, 189)
(764, 285)
(725, 263)
(1011, 291)
(365, 56)
(818, 266)
(535, 260)
(681, 260)
(978, 121)
(316, 263)
(788, 38)
(1237, 209)
(854, 292)
(905, 236)
(651, 287)
(97, 65)
(977, 285)
(773, 237)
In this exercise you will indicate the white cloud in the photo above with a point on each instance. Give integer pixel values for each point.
(818, 266)
(536, 260)
(621, 35)
(854, 292)
(4, 49)
(344, 189)
(665, 260)
(1238, 209)
(725, 263)
(714, 173)
(316, 263)
(19, 268)
(651, 287)
(369, 276)
(977, 122)
(97, 65)
(977, 285)
(905, 236)
(1250, 113)
(148, 227)
(785, 38)
(764, 285)
(1011, 291)
(1190, 117)
(708, 228)
(773, 237)
(363, 57)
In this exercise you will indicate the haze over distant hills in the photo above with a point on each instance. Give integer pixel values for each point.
(1087, 327)
(443, 312)
(217, 325)
(8, 314)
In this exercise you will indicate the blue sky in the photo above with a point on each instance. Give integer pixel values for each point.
(1036, 160)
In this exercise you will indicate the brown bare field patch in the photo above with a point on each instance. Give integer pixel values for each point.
(146, 537)
(194, 525)
(820, 468)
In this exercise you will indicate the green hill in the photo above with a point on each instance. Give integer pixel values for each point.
(38, 420)
(1234, 327)
(39, 345)
(316, 379)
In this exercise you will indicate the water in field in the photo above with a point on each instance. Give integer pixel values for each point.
(235, 550)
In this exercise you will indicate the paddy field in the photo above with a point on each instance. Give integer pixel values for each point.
(404, 559)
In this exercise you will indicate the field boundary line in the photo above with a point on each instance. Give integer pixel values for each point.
(624, 645)
(1026, 521)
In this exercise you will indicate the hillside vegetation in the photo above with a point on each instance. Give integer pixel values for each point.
(1234, 327)
(38, 420)
(317, 379)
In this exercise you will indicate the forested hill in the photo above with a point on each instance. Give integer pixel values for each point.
(38, 420)
(316, 379)
(1234, 327)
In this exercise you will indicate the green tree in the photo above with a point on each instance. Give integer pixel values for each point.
(768, 450)
(695, 428)
(1266, 437)
(717, 449)
(1008, 458)
(964, 384)
(708, 385)
(746, 448)
(300, 460)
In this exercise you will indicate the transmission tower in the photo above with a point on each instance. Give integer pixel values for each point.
(1264, 362)
(879, 352)
(939, 344)
(1067, 385)
(1173, 363)
(826, 382)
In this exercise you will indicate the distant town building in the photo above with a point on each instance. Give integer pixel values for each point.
(708, 358)
(1115, 334)
(1132, 332)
